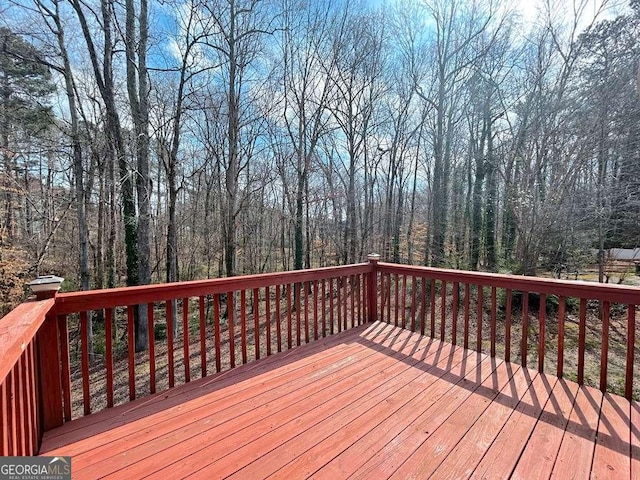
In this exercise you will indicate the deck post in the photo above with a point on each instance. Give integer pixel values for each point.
(49, 370)
(372, 287)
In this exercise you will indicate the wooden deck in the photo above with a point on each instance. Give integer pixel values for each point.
(372, 402)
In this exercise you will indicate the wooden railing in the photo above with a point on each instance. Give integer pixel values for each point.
(52, 370)
(210, 325)
(556, 325)
(21, 336)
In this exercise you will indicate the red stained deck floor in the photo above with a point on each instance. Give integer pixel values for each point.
(372, 402)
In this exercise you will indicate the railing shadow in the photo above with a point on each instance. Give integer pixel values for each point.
(476, 384)
(534, 408)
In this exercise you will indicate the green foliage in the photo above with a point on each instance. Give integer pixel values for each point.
(160, 331)
(25, 85)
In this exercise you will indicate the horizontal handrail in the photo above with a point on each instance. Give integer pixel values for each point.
(74, 302)
(17, 329)
(569, 288)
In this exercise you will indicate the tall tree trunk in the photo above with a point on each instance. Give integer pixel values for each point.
(231, 174)
(490, 209)
(439, 192)
(138, 99)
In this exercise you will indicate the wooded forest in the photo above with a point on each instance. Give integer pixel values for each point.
(148, 142)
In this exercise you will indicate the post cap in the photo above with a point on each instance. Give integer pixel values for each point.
(373, 257)
(46, 286)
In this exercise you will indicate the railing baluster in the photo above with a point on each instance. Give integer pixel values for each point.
(278, 319)
(542, 319)
(383, 300)
(203, 337)
(339, 303)
(404, 302)
(364, 282)
(345, 303)
(493, 321)
(267, 308)
(315, 309)
(423, 317)
(397, 283)
(525, 327)
(108, 333)
(467, 308)
(84, 344)
(28, 399)
(185, 340)
(4, 419)
(388, 290)
(33, 388)
(582, 331)
(243, 324)
(604, 351)
(631, 339)
(230, 328)
(216, 330)
(561, 319)
(130, 355)
(169, 323)
(354, 316)
(151, 337)
(454, 313)
(256, 321)
(507, 326)
(323, 301)
(443, 309)
(289, 319)
(432, 307)
(305, 301)
(362, 300)
(20, 406)
(12, 413)
(331, 330)
(413, 303)
(65, 373)
(297, 294)
(479, 315)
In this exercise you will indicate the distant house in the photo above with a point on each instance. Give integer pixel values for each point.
(626, 254)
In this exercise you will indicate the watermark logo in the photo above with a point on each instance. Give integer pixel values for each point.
(35, 468)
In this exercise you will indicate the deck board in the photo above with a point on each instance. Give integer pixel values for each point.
(208, 445)
(612, 454)
(380, 415)
(461, 462)
(575, 457)
(501, 457)
(539, 456)
(375, 401)
(437, 449)
(635, 440)
(211, 410)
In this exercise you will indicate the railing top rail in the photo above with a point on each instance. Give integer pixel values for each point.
(73, 302)
(569, 288)
(17, 329)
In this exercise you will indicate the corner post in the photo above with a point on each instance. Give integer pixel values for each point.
(372, 287)
(49, 370)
